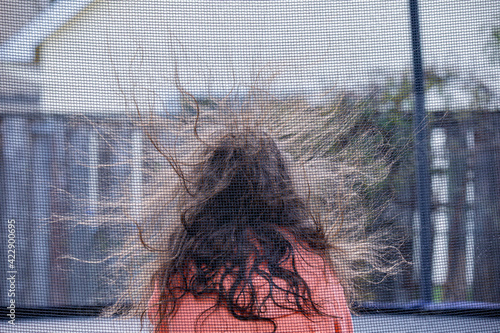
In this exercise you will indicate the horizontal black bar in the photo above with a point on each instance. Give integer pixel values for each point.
(65, 311)
(424, 308)
(412, 308)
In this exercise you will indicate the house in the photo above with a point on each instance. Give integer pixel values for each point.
(95, 55)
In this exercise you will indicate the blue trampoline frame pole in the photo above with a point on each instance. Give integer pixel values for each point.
(421, 160)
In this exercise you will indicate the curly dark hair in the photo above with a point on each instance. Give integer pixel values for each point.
(234, 195)
(239, 210)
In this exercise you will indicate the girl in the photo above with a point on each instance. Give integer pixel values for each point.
(250, 256)
(241, 246)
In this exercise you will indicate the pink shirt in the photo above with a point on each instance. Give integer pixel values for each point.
(325, 290)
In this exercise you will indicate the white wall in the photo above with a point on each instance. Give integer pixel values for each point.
(313, 45)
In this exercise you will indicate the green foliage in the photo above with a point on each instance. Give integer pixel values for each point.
(437, 293)
(494, 45)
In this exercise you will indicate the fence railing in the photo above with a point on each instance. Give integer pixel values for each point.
(43, 154)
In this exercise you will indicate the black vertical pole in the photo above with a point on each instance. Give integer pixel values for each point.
(421, 160)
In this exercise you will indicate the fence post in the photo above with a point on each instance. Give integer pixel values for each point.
(421, 160)
(486, 285)
(16, 164)
(82, 185)
(41, 133)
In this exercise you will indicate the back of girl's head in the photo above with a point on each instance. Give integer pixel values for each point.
(241, 186)
(241, 180)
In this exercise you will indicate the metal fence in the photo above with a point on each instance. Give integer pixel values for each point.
(42, 155)
(43, 159)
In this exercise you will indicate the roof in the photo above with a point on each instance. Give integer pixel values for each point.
(21, 46)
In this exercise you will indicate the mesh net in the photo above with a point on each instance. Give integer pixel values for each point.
(103, 104)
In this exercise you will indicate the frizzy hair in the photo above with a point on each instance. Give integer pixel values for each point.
(231, 186)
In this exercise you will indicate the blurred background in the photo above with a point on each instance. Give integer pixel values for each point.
(96, 59)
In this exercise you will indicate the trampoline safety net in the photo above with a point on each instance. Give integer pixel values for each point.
(250, 166)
